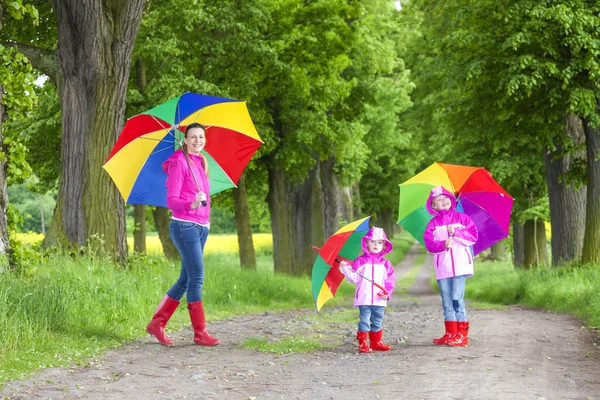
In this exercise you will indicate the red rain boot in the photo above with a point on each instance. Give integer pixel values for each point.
(363, 347)
(163, 313)
(376, 343)
(201, 336)
(461, 339)
(451, 328)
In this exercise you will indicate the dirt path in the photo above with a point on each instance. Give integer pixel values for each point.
(514, 354)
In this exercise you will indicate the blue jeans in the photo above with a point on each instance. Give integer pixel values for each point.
(189, 238)
(371, 318)
(452, 291)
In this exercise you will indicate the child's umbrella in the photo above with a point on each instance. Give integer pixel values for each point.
(478, 195)
(345, 244)
(338, 261)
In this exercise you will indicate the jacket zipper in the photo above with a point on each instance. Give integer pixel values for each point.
(452, 259)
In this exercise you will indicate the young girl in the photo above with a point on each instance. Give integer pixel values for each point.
(370, 300)
(448, 236)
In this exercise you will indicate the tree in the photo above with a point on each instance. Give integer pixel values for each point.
(95, 43)
(520, 67)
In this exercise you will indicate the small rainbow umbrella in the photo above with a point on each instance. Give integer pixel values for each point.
(345, 244)
(478, 195)
(148, 139)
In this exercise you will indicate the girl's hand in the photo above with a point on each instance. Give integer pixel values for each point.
(448, 243)
(451, 230)
(383, 295)
(344, 264)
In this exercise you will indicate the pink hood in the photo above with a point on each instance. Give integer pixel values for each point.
(377, 234)
(436, 191)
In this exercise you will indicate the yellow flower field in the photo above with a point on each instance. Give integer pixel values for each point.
(214, 244)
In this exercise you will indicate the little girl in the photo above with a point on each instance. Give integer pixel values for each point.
(370, 300)
(448, 235)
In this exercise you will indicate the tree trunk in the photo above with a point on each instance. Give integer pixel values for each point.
(499, 251)
(357, 207)
(518, 245)
(297, 221)
(591, 240)
(280, 209)
(4, 243)
(385, 221)
(567, 204)
(161, 223)
(346, 208)
(139, 229)
(244, 227)
(535, 249)
(95, 44)
(330, 191)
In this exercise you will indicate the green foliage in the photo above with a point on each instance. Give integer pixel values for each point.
(496, 79)
(29, 204)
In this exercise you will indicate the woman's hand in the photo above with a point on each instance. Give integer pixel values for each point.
(199, 199)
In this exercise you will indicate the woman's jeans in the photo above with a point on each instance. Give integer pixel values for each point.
(189, 238)
(452, 291)
(371, 318)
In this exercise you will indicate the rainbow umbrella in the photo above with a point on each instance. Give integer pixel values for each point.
(148, 139)
(478, 195)
(345, 244)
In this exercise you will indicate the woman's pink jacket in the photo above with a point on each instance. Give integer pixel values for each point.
(182, 189)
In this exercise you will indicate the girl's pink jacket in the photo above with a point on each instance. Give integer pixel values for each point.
(374, 267)
(457, 260)
(181, 188)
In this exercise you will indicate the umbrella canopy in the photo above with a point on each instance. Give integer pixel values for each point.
(148, 139)
(345, 244)
(478, 195)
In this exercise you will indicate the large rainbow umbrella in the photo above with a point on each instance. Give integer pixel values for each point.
(478, 195)
(148, 139)
(345, 244)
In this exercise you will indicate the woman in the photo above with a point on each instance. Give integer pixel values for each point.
(187, 198)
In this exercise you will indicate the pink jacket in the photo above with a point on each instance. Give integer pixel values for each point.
(457, 260)
(374, 267)
(181, 188)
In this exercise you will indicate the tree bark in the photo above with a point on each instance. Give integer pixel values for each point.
(356, 204)
(95, 44)
(385, 221)
(244, 227)
(346, 207)
(139, 229)
(297, 221)
(499, 251)
(280, 209)
(518, 245)
(161, 223)
(330, 191)
(591, 240)
(567, 204)
(535, 249)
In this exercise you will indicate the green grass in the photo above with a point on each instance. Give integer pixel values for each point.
(567, 289)
(64, 310)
